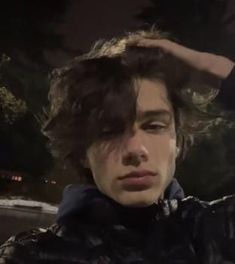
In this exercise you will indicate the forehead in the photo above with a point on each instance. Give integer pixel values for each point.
(152, 95)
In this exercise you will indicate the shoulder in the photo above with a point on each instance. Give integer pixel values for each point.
(23, 246)
(200, 215)
(213, 227)
(195, 203)
(220, 213)
(194, 207)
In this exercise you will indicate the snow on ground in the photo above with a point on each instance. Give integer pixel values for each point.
(28, 204)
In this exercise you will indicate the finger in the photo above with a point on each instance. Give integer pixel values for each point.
(177, 50)
(158, 43)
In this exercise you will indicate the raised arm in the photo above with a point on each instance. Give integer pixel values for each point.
(219, 66)
(214, 64)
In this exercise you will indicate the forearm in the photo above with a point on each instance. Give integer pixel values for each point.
(216, 65)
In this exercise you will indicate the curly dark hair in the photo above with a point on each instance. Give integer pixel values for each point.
(97, 90)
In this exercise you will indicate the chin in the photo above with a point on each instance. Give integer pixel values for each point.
(139, 199)
(140, 204)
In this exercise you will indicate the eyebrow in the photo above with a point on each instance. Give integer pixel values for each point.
(159, 114)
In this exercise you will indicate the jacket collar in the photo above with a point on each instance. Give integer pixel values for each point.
(87, 203)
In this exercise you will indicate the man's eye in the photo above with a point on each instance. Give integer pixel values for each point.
(154, 126)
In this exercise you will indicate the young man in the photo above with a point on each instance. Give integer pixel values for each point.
(121, 117)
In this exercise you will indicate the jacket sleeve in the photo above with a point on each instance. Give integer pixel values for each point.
(19, 249)
(215, 232)
(13, 252)
(226, 96)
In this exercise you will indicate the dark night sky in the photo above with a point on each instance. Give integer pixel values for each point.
(87, 21)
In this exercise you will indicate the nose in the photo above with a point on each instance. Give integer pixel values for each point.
(135, 150)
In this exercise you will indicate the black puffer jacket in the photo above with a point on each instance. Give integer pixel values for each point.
(96, 230)
(92, 229)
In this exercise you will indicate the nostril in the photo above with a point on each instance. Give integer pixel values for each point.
(135, 158)
(131, 160)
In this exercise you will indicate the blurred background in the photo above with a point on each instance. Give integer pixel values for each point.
(37, 36)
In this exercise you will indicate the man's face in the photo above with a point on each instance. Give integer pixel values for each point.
(135, 168)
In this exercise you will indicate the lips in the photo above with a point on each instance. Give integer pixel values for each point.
(138, 174)
(138, 180)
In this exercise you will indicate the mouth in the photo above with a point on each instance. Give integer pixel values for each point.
(138, 174)
(138, 180)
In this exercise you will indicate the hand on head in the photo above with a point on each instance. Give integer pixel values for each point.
(202, 61)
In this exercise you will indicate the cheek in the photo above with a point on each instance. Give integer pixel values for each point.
(99, 160)
(163, 148)
(103, 167)
(170, 152)
(170, 158)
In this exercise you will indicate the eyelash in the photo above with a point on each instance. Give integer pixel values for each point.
(154, 126)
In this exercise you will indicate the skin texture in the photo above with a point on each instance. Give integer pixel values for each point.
(149, 145)
(216, 65)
